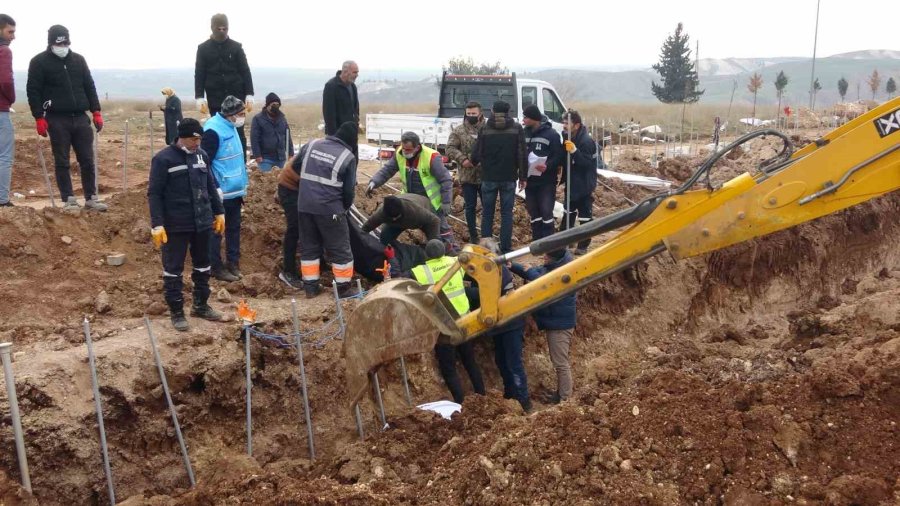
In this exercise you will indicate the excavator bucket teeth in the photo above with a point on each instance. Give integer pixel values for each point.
(399, 317)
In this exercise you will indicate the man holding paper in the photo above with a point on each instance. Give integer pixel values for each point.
(545, 157)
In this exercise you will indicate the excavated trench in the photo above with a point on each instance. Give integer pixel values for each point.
(765, 373)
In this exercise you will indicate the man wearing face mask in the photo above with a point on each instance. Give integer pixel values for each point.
(422, 172)
(340, 101)
(184, 209)
(221, 70)
(221, 143)
(270, 136)
(172, 114)
(60, 90)
(459, 149)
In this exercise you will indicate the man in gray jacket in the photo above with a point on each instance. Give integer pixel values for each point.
(403, 212)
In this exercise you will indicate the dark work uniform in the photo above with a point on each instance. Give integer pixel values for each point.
(183, 199)
(172, 115)
(584, 182)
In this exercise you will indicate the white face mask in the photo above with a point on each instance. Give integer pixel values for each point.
(239, 121)
(409, 156)
(61, 51)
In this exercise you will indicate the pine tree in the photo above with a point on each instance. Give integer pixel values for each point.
(781, 83)
(891, 88)
(874, 81)
(816, 87)
(842, 88)
(466, 66)
(679, 77)
(756, 82)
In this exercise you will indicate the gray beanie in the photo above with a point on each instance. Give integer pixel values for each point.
(435, 249)
(231, 106)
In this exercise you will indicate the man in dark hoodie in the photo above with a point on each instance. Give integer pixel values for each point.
(578, 143)
(340, 101)
(270, 136)
(540, 193)
(221, 70)
(500, 149)
(60, 90)
(403, 212)
(7, 98)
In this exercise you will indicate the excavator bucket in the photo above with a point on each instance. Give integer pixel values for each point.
(399, 317)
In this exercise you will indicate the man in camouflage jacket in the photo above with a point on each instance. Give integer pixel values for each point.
(459, 149)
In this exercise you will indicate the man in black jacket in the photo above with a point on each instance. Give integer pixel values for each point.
(184, 209)
(221, 70)
(404, 212)
(172, 114)
(540, 193)
(340, 101)
(578, 143)
(270, 136)
(500, 149)
(60, 89)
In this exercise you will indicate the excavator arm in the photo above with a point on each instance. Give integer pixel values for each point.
(852, 164)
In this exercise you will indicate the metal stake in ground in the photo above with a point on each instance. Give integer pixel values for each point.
(165, 385)
(249, 391)
(99, 408)
(340, 309)
(150, 124)
(125, 160)
(405, 381)
(569, 175)
(359, 424)
(40, 153)
(299, 344)
(377, 388)
(5, 350)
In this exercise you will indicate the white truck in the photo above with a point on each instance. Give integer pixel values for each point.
(456, 92)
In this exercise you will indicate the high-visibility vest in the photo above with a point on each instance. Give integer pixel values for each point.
(433, 270)
(432, 186)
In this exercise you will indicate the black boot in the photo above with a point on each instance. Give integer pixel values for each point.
(347, 289)
(178, 320)
(206, 312)
(312, 288)
(234, 269)
(222, 273)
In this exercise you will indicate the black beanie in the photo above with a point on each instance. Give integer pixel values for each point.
(58, 35)
(189, 127)
(501, 107)
(435, 249)
(393, 208)
(272, 97)
(532, 112)
(348, 132)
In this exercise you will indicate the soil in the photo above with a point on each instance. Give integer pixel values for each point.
(765, 373)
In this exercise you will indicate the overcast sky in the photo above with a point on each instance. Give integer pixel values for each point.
(129, 34)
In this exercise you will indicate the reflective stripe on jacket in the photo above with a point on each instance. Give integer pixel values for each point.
(431, 184)
(433, 270)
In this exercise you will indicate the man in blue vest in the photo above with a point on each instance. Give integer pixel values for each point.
(430, 273)
(327, 171)
(422, 172)
(222, 144)
(184, 209)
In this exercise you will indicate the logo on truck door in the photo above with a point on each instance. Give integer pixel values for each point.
(888, 124)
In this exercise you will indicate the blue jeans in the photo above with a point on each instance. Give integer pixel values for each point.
(508, 357)
(7, 153)
(232, 236)
(267, 164)
(489, 192)
(471, 193)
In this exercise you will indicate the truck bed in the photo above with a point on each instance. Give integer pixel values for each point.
(387, 128)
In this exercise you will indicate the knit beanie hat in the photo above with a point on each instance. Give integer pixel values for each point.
(348, 132)
(231, 106)
(532, 112)
(434, 249)
(272, 97)
(392, 207)
(58, 35)
(500, 106)
(189, 127)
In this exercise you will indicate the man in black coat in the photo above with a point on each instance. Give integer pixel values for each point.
(221, 70)
(578, 143)
(540, 193)
(270, 136)
(340, 101)
(60, 90)
(172, 114)
(185, 209)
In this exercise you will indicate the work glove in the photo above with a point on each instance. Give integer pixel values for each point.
(201, 105)
(570, 147)
(389, 252)
(370, 189)
(445, 208)
(41, 126)
(248, 103)
(98, 121)
(158, 234)
(219, 224)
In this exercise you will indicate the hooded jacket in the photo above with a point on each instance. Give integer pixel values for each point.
(584, 165)
(559, 315)
(220, 70)
(7, 84)
(340, 103)
(500, 149)
(65, 84)
(543, 140)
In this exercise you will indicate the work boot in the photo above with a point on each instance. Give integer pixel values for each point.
(234, 269)
(206, 312)
(347, 289)
(551, 398)
(526, 405)
(312, 288)
(94, 204)
(71, 204)
(179, 321)
(8, 203)
(291, 280)
(580, 251)
(223, 274)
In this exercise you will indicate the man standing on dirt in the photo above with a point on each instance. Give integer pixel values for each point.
(221, 70)
(422, 172)
(172, 114)
(287, 193)
(459, 149)
(340, 101)
(7, 99)
(222, 145)
(578, 143)
(500, 149)
(60, 89)
(184, 208)
(270, 136)
(540, 193)
(327, 171)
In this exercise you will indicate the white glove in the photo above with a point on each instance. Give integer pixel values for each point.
(12, 111)
(248, 104)
(202, 106)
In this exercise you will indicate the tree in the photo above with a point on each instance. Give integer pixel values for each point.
(891, 88)
(466, 66)
(781, 83)
(874, 81)
(756, 82)
(816, 87)
(842, 88)
(676, 69)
